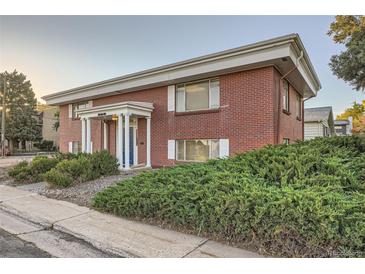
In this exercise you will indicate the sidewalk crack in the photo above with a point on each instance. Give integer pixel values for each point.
(29, 232)
(83, 213)
(195, 248)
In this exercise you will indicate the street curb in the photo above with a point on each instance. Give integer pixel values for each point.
(114, 235)
(98, 245)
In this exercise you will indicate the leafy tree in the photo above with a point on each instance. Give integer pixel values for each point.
(357, 111)
(56, 124)
(349, 65)
(345, 26)
(21, 121)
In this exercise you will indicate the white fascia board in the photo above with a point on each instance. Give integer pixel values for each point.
(232, 62)
(216, 65)
(114, 109)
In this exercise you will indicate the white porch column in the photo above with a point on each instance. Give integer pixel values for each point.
(88, 135)
(83, 135)
(126, 142)
(119, 141)
(105, 135)
(148, 144)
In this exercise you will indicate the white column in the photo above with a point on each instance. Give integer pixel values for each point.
(88, 135)
(105, 135)
(83, 135)
(148, 144)
(126, 142)
(119, 141)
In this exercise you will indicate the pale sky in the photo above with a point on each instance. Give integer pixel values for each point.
(62, 52)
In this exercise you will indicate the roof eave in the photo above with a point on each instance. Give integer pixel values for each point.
(291, 38)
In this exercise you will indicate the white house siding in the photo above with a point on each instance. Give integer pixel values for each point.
(313, 130)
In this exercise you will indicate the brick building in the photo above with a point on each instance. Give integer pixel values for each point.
(207, 107)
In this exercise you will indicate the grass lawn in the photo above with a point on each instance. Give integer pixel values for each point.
(300, 200)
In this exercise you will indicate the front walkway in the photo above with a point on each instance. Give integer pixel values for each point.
(107, 233)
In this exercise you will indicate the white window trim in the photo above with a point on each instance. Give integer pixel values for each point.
(286, 103)
(223, 148)
(89, 104)
(171, 90)
(171, 149)
(70, 112)
(71, 147)
(209, 95)
(195, 161)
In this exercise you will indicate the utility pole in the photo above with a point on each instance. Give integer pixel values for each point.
(3, 121)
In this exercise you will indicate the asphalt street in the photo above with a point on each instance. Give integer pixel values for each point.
(13, 247)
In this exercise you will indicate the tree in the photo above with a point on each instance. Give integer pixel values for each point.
(21, 121)
(349, 65)
(357, 112)
(56, 124)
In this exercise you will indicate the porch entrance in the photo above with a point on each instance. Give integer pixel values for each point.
(125, 115)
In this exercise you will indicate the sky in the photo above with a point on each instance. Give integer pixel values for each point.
(61, 52)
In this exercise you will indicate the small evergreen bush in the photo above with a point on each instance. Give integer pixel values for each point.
(64, 169)
(40, 165)
(21, 172)
(103, 163)
(32, 172)
(56, 178)
(84, 167)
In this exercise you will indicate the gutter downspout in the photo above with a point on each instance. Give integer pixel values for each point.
(280, 86)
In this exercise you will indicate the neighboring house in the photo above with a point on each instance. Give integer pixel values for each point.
(318, 122)
(48, 120)
(343, 127)
(207, 107)
(45, 120)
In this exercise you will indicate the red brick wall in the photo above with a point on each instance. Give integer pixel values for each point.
(70, 130)
(141, 140)
(247, 117)
(290, 126)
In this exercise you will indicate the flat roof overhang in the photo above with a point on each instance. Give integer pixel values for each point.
(282, 53)
(139, 109)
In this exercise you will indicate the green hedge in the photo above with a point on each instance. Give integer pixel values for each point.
(84, 167)
(305, 199)
(32, 172)
(21, 172)
(64, 169)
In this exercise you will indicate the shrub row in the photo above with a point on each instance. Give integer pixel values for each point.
(84, 168)
(32, 172)
(64, 169)
(305, 199)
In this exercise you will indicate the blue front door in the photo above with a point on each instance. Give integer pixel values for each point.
(131, 148)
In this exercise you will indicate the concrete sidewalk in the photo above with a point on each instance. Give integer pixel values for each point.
(107, 233)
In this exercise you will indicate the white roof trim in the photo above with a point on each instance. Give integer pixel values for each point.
(221, 62)
(129, 107)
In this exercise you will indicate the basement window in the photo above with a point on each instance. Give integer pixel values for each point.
(76, 147)
(197, 150)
